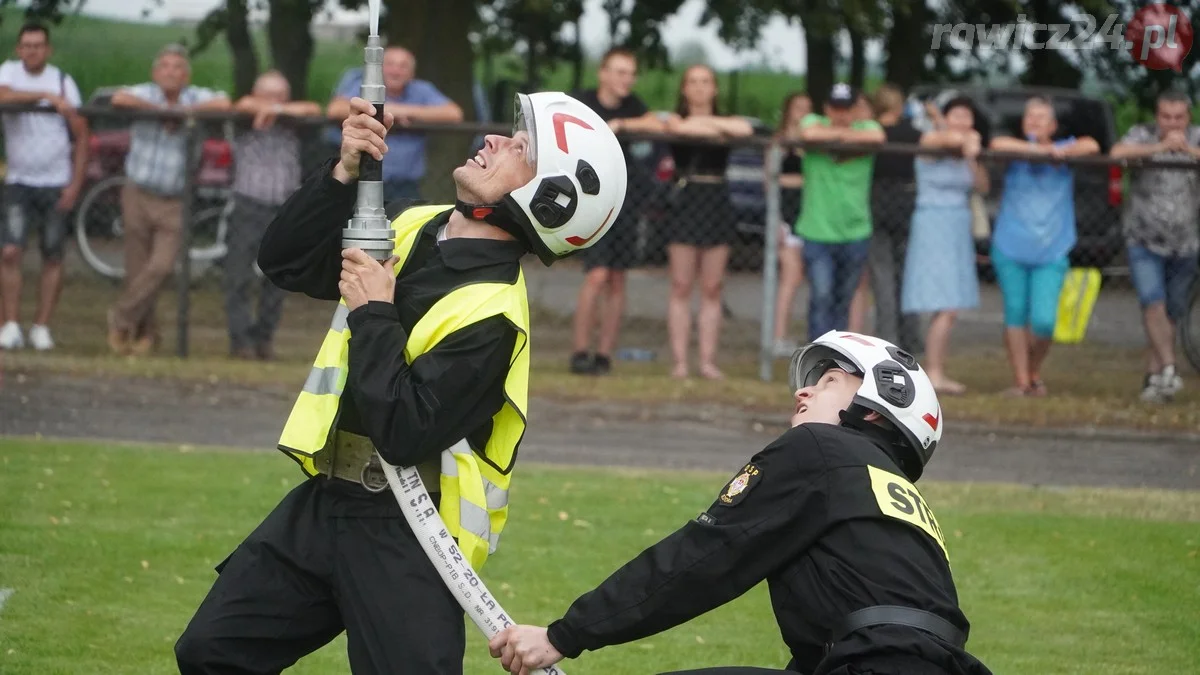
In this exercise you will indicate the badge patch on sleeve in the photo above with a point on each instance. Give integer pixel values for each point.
(737, 489)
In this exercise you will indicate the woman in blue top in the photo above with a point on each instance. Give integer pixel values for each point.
(939, 266)
(1034, 232)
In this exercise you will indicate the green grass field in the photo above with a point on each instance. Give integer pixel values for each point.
(109, 549)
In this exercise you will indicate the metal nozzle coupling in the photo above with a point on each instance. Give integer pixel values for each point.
(369, 228)
(372, 88)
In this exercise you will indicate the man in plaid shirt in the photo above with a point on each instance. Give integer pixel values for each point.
(1162, 234)
(266, 173)
(151, 203)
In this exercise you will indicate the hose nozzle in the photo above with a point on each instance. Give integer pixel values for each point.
(369, 229)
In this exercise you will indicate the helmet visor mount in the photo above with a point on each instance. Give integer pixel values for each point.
(801, 374)
(525, 128)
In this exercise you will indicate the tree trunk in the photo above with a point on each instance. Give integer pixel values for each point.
(440, 41)
(408, 24)
(577, 61)
(819, 54)
(731, 104)
(241, 45)
(291, 42)
(533, 76)
(858, 59)
(907, 44)
(1047, 67)
(614, 10)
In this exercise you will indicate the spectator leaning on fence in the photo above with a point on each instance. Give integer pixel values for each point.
(606, 262)
(410, 101)
(266, 173)
(835, 219)
(1162, 233)
(151, 202)
(701, 222)
(791, 185)
(43, 180)
(893, 195)
(1033, 233)
(939, 266)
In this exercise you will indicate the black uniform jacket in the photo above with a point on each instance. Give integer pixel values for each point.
(411, 412)
(826, 517)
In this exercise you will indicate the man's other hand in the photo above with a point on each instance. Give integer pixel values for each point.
(365, 280)
(522, 649)
(361, 132)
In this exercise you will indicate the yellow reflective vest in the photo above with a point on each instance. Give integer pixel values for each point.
(474, 482)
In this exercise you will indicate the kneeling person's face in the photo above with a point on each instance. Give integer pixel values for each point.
(823, 400)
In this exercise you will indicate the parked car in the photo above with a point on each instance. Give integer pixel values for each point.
(1098, 190)
(652, 175)
(109, 144)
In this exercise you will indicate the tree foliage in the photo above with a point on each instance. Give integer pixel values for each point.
(448, 35)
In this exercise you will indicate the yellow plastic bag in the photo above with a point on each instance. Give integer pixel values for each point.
(1079, 292)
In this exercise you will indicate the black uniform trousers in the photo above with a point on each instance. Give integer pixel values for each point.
(331, 557)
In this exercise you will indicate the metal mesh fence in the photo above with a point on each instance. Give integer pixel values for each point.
(709, 263)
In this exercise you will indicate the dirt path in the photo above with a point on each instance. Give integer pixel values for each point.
(245, 417)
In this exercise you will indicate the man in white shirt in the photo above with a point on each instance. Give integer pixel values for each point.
(43, 182)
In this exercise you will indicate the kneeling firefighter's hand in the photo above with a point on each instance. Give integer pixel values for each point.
(365, 280)
(523, 648)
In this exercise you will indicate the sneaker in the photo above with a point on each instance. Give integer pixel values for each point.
(39, 337)
(784, 348)
(1153, 390)
(10, 336)
(602, 365)
(581, 363)
(1169, 382)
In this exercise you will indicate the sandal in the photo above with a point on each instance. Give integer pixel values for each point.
(1016, 392)
(1038, 388)
(950, 388)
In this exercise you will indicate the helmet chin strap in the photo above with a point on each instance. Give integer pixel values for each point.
(855, 416)
(499, 214)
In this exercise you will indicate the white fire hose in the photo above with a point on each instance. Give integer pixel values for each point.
(427, 524)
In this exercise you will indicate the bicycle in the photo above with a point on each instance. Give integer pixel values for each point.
(99, 228)
(1189, 326)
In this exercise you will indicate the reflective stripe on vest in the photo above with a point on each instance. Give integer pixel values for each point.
(474, 483)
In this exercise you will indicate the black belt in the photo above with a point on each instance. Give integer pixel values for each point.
(904, 616)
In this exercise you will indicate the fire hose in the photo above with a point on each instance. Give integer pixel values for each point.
(370, 231)
(427, 525)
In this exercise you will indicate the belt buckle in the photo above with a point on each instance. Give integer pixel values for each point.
(372, 477)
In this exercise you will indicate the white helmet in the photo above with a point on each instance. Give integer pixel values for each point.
(894, 385)
(580, 184)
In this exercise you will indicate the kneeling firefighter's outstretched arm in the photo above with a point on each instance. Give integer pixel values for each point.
(767, 514)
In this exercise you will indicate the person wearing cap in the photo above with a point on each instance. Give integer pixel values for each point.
(425, 364)
(828, 515)
(836, 214)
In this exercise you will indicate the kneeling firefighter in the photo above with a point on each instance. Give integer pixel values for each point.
(426, 360)
(828, 515)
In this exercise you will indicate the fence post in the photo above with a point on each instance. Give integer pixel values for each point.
(184, 274)
(766, 348)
